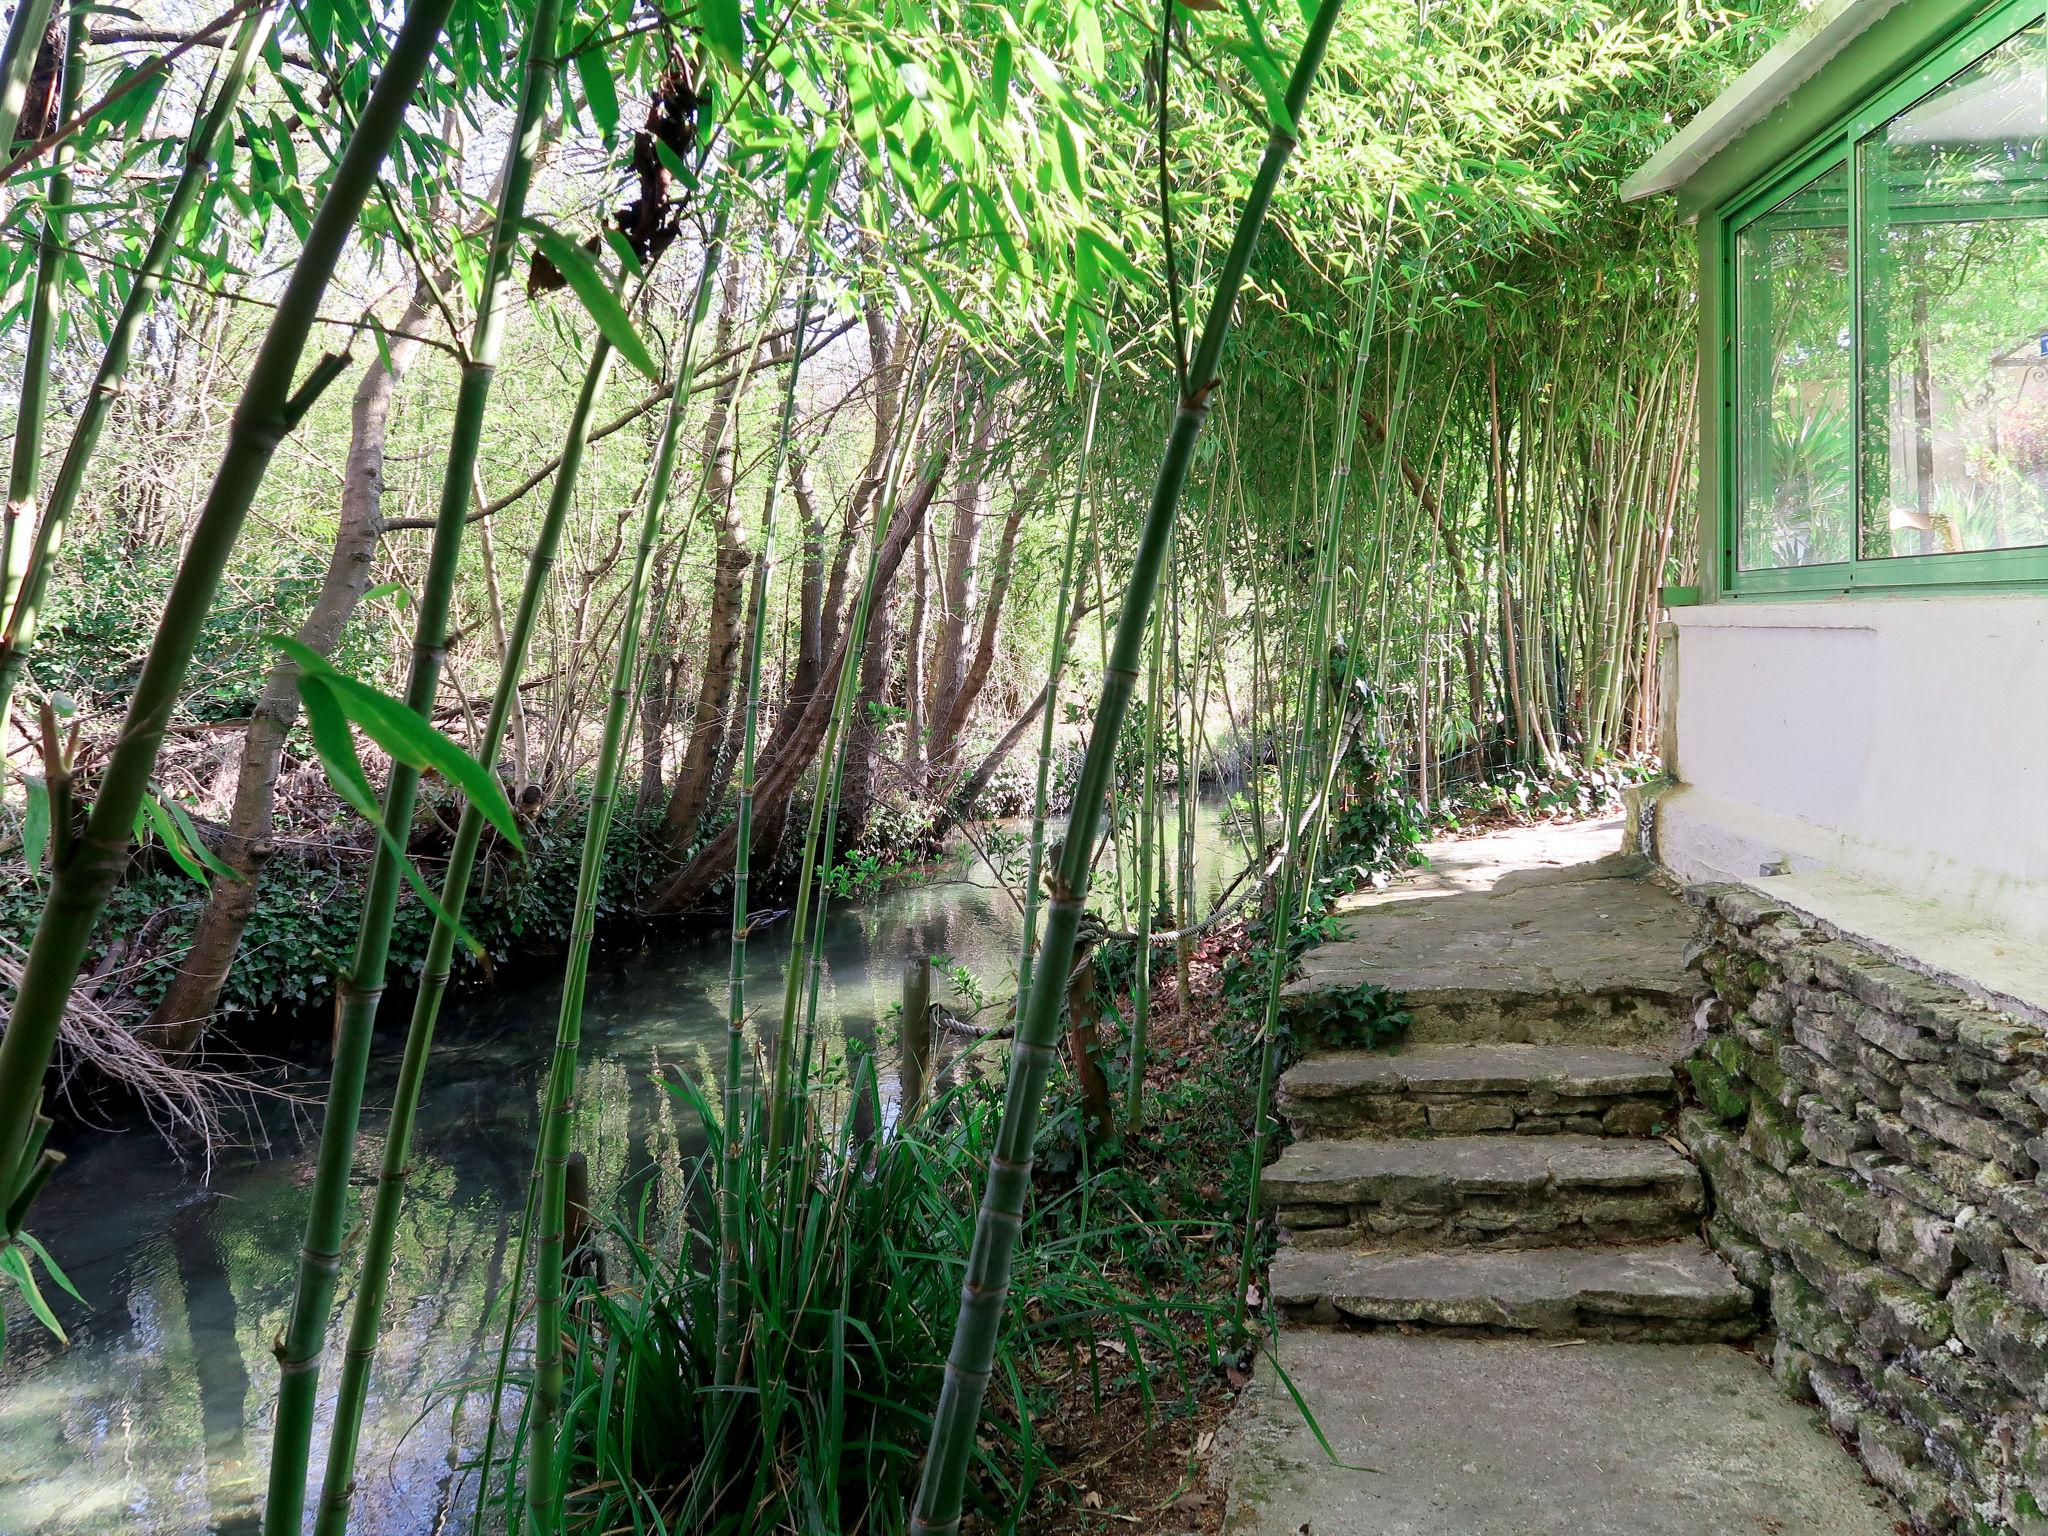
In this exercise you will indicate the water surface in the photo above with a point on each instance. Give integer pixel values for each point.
(155, 1420)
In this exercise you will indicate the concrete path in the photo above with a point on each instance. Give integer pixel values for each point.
(1509, 1437)
(1493, 1291)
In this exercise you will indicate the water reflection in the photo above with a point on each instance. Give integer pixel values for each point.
(156, 1420)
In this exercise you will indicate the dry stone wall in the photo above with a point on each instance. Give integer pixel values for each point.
(1873, 1143)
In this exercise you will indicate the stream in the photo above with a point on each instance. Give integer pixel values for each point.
(154, 1420)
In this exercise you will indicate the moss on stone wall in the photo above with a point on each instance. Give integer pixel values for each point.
(1873, 1142)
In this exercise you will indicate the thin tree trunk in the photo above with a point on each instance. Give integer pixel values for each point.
(691, 793)
(779, 778)
(957, 584)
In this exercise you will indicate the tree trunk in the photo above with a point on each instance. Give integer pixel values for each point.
(778, 778)
(863, 731)
(913, 658)
(691, 793)
(957, 581)
(947, 728)
(180, 1019)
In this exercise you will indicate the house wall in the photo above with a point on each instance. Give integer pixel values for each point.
(1880, 763)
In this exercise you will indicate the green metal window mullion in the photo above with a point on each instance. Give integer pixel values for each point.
(1870, 268)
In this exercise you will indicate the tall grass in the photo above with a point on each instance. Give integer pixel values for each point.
(847, 1290)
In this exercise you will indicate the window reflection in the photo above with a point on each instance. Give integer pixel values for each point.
(1955, 317)
(1794, 449)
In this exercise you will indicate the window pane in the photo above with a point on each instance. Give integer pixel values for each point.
(1955, 319)
(1794, 458)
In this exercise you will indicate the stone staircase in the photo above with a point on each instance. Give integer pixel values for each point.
(1505, 1170)
(1498, 1317)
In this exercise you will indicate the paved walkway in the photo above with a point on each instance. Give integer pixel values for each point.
(1496, 1303)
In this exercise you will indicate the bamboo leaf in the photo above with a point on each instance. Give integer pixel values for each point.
(599, 91)
(408, 737)
(35, 825)
(595, 294)
(725, 30)
(14, 1261)
(335, 745)
(50, 1266)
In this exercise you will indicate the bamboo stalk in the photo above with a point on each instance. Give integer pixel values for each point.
(25, 468)
(267, 411)
(1035, 859)
(24, 601)
(479, 368)
(941, 1490)
(362, 989)
(732, 1167)
(1148, 799)
(544, 1491)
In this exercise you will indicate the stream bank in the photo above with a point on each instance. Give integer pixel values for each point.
(154, 1420)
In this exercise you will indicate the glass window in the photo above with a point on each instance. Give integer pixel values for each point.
(1955, 312)
(1794, 451)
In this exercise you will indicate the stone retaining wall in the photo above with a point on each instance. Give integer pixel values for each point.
(1873, 1143)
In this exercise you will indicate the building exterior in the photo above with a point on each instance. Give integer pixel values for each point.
(1857, 691)
(1856, 722)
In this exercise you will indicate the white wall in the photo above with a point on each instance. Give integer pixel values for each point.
(1888, 755)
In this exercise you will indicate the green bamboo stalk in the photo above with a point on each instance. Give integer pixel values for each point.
(18, 62)
(1056, 668)
(986, 1287)
(726, 1334)
(1148, 815)
(823, 827)
(267, 411)
(362, 989)
(46, 306)
(23, 604)
(544, 1489)
(539, 70)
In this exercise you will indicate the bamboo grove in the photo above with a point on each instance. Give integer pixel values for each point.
(491, 478)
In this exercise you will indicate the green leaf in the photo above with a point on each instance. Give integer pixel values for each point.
(408, 737)
(588, 284)
(50, 1266)
(188, 853)
(383, 589)
(35, 825)
(335, 746)
(598, 88)
(724, 29)
(14, 1261)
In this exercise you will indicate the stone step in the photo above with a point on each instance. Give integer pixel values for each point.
(1587, 962)
(1482, 1191)
(1459, 1089)
(1665, 1292)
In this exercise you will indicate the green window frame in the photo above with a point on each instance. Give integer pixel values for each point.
(1722, 226)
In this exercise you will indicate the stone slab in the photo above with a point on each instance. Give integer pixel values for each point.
(1509, 858)
(1487, 1191)
(1573, 1071)
(1588, 961)
(1364, 1170)
(1438, 1090)
(1513, 1437)
(1665, 1289)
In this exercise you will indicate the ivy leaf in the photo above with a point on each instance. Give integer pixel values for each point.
(588, 284)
